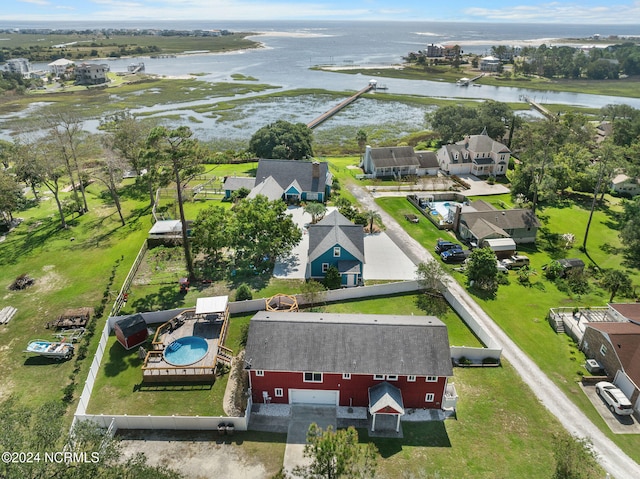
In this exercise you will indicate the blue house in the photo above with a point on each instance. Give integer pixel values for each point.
(336, 241)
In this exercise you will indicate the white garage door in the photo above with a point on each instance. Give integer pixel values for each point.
(312, 396)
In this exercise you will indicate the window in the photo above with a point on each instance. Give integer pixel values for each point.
(432, 379)
(603, 350)
(346, 376)
(378, 377)
(392, 377)
(429, 397)
(259, 372)
(411, 379)
(336, 251)
(279, 392)
(312, 377)
(325, 267)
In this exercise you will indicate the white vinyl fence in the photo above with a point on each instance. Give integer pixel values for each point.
(114, 421)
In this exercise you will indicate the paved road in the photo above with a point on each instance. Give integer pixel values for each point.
(610, 456)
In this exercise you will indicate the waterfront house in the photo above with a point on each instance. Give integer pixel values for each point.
(91, 73)
(60, 66)
(478, 155)
(394, 162)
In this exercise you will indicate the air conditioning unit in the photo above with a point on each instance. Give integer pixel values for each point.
(593, 366)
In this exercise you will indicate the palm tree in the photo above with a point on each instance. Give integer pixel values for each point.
(372, 216)
(316, 210)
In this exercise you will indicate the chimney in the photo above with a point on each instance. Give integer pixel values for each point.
(315, 169)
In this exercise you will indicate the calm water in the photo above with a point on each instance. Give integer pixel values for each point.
(289, 49)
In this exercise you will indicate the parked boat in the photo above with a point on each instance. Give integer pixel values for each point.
(50, 349)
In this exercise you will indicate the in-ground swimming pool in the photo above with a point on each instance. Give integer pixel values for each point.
(186, 351)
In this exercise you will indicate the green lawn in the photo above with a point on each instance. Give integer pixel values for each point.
(501, 430)
(72, 268)
(524, 319)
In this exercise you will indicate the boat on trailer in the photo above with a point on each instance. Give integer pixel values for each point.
(50, 349)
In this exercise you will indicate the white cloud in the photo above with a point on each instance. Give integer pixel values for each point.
(41, 3)
(556, 12)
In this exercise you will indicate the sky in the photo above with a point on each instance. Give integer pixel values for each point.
(518, 11)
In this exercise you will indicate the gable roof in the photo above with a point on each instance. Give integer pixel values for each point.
(349, 343)
(385, 398)
(311, 176)
(625, 342)
(394, 156)
(483, 143)
(269, 188)
(335, 229)
(131, 324)
(517, 218)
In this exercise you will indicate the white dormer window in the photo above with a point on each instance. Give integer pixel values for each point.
(336, 252)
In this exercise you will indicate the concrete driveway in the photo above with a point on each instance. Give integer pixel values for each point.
(384, 260)
(302, 416)
(617, 424)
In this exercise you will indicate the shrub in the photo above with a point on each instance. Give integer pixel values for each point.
(243, 292)
(332, 279)
(490, 361)
(464, 361)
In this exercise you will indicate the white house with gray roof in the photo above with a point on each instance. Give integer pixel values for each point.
(478, 155)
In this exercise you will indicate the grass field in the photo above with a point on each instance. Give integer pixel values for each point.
(524, 320)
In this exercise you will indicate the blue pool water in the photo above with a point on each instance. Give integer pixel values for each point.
(186, 351)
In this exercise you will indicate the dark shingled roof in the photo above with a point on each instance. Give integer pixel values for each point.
(395, 156)
(286, 172)
(131, 324)
(427, 159)
(349, 343)
(336, 229)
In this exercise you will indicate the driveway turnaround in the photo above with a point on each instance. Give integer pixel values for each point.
(384, 260)
(302, 416)
(609, 455)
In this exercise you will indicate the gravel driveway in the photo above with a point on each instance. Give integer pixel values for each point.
(610, 456)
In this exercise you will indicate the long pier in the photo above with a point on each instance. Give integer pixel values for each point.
(540, 108)
(325, 116)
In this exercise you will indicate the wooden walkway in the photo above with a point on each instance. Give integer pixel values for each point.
(541, 109)
(325, 116)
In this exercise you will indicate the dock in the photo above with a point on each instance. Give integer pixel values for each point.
(467, 81)
(325, 116)
(540, 108)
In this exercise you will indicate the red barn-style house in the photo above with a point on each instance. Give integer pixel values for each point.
(341, 359)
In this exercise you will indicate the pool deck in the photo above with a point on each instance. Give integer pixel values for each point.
(158, 370)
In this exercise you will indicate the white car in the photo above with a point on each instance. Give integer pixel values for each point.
(616, 400)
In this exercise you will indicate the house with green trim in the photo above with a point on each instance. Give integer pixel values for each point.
(336, 241)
